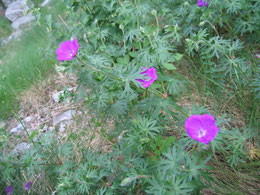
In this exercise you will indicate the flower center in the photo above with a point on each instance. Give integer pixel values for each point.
(201, 133)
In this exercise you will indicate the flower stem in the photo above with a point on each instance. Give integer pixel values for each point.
(114, 77)
(25, 129)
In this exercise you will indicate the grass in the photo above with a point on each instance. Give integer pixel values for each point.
(5, 28)
(242, 108)
(25, 61)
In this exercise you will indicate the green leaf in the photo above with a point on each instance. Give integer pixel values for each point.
(124, 60)
(133, 54)
(155, 85)
(178, 56)
(32, 135)
(169, 66)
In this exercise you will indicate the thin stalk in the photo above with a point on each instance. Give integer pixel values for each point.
(25, 129)
(148, 36)
(158, 93)
(164, 91)
(138, 22)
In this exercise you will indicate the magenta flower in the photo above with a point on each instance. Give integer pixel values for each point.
(201, 128)
(9, 190)
(28, 185)
(202, 3)
(256, 56)
(150, 72)
(67, 50)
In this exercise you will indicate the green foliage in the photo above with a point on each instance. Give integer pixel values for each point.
(5, 28)
(151, 152)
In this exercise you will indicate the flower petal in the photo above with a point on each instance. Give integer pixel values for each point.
(67, 50)
(193, 125)
(201, 128)
(150, 73)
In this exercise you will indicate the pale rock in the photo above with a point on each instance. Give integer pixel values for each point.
(27, 119)
(23, 21)
(56, 96)
(8, 2)
(68, 115)
(22, 147)
(51, 129)
(16, 10)
(45, 128)
(17, 129)
(63, 125)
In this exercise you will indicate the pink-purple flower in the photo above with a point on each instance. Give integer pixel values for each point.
(201, 128)
(202, 3)
(256, 56)
(67, 50)
(9, 190)
(28, 185)
(151, 73)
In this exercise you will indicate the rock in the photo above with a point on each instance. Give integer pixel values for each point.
(22, 147)
(45, 3)
(16, 10)
(63, 125)
(18, 129)
(56, 96)
(45, 128)
(27, 119)
(63, 117)
(8, 2)
(22, 21)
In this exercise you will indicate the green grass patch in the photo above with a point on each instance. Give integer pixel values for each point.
(26, 60)
(5, 28)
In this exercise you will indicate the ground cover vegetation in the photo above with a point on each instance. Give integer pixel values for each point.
(179, 80)
(24, 61)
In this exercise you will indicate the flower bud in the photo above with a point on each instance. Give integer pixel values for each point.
(142, 29)
(186, 3)
(154, 12)
(127, 181)
(202, 23)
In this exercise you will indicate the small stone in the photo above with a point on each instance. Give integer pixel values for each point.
(16, 10)
(45, 128)
(8, 2)
(56, 96)
(22, 21)
(63, 125)
(18, 129)
(68, 115)
(51, 128)
(27, 119)
(22, 147)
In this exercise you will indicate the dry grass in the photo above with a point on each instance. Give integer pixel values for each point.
(37, 103)
(82, 132)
